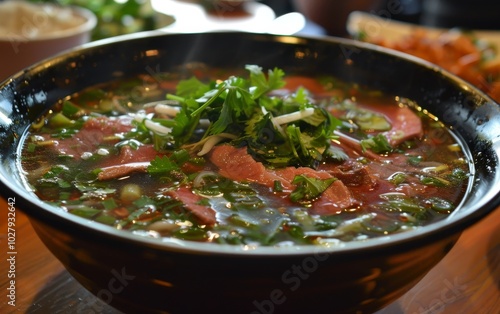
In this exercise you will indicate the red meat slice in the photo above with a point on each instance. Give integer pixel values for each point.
(128, 155)
(93, 132)
(354, 174)
(404, 121)
(333, 200)
(405, 125)
(191, 201)
(109, 125)
(122, 170)
(84, 141)
(236, 164)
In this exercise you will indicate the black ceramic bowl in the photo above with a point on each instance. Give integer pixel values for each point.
(137, 274)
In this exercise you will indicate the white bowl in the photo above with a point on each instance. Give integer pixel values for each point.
(32, 32)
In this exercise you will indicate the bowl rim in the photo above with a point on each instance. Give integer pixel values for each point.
(452, 225)
(89, 23)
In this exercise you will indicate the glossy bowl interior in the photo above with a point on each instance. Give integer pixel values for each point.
(138, 274)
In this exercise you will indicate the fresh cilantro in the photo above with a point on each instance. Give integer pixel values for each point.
(89, 186)
(265, 143)
(301, 98)
(57, 175)
(238, 105)
(145, 201)
(191, 88)
(262, 84)
(306, 147)
(335, 153)
(244, 108)
(378, 144)
(185, 125)
(162, 165)
(309, 188)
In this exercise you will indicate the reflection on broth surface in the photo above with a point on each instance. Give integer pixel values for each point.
(246, 157)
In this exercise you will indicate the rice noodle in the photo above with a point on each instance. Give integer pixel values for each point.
(163, 108)
(213, 140)
(153, 126)
(294, 116)
(276, 125)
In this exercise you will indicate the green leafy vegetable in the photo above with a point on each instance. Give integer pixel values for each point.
(277, 131)
(377, 144)
(162, 165)
(309, 188)
(262, 84)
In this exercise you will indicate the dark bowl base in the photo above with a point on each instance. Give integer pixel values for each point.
(145, 281)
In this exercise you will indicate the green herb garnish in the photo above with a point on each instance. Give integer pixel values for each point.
(278, 131)
(377, 144)
(309, 188)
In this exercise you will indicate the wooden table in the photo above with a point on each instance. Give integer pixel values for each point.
(467, 280)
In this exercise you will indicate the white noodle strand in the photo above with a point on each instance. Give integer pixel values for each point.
(294, 116)
(153, 126)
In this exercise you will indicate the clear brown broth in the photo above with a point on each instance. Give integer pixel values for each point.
(420, 182)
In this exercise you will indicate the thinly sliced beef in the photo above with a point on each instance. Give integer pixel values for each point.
(405, 125)
(88, 138)
(129, 160)
(404, 121)
(236, 164)
(143, 153)
(334, 199)
(191, 201)
(139, 154)
(85, 141)
(353, 173)
(109, 125)
(122, 170)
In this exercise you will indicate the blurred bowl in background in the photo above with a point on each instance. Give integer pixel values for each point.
(32, 32)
